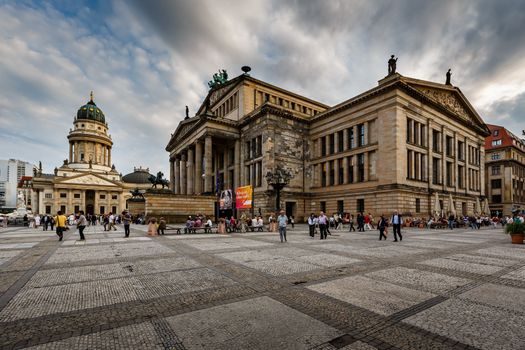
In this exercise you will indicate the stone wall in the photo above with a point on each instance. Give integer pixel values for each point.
(176, 208)
(136, 207)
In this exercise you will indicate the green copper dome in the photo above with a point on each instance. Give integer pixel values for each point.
(90, 111)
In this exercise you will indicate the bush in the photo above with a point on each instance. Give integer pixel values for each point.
(516, 227)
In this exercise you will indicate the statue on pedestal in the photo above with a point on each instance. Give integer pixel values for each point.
(449, 74)
(392, 65)
(187, 113)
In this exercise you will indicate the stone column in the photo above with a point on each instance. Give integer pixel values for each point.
(336, 171)
(208, 171)
(183, 173)
(198, 167)
(69, 208)
(366, 165)
(327, 144)
(83, 201)
(336, 143)
(96, 209)
(176, 180)
(109, 157)
(190, 172)
(70, 152)
(237, 165)
(355, 167)
(345, 141)
(365, 126)
(172, 174)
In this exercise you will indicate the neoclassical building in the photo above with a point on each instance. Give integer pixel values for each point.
(389, 148)
(87, 180)
(505, 171)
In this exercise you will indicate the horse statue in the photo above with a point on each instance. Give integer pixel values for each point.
(218, 78)
(158, 180)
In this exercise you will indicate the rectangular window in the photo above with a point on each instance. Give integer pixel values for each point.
(248, 150)
(63, 209)
(114, 196)
(461, 150)
(102, 196)
(332, 173)
(409, 130)
(495, 183)
(340, 170)
(423, 138)
(331, 141)
(449, 174)
(361, 133)
(76, 195)
(114, 209)
(496, 170)
(350, 170)
(322, 206)
(495, 133)
(340, 141)
(496, 198)
(495, 156)
(360, 167)
(340, 206)
(48, 196)
(435, 171)
(461, 183)
(436, 141)
(351, 143)
(259, 145)
(102, 209)
(323, 175)
(259, 174)
(409, 164)
(450, 146)
(63, 195)
(360, 205)
(77, 208)
(231, 156)
(323, 145)
(496, 143)
(416, 133)
(48, 209)
(418, 205)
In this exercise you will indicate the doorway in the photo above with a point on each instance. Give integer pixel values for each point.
(290, 209)
(90, 202)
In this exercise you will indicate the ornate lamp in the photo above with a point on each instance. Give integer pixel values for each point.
(279, 179)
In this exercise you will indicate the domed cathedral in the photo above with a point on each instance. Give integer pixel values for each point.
(87, 180)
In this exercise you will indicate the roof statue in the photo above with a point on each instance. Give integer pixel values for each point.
(187, 113)
(218, 79)
(449, 74)
(392, 65)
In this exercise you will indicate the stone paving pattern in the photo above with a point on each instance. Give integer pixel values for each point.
(436, 289)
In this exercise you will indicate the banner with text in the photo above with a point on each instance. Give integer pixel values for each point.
(243, 197)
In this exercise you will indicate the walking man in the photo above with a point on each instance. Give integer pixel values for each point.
(323, 222)
(112, 222)
(282, 220)
(126, 219)
(381, 226)
(81, 224)
(61, 222)
(311, 224)
(360, 222)
(351, 222)
(396, 224)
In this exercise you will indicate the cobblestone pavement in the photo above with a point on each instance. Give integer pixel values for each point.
(436, 289)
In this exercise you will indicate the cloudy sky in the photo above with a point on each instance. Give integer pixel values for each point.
(146, 60)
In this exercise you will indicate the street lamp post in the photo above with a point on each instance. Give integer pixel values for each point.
(279, 179)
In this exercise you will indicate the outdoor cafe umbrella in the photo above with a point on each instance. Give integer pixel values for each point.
(451, 207)
(437, 205)
(486, 208)
(477, 207)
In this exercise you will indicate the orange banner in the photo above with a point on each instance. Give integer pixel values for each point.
(243, 197)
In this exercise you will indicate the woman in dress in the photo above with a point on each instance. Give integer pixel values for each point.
(152, 227)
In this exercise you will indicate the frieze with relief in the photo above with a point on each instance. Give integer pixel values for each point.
(448, 100)
(88, 180)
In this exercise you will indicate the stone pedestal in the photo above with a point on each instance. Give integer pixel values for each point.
(176, 208)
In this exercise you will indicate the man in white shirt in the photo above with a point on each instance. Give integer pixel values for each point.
(112, 222)
(260, 224)
(396, 224)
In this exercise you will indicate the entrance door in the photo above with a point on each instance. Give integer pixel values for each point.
(90, 202)
(290, 209)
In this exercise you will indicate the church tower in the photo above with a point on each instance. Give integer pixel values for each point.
(89, 142)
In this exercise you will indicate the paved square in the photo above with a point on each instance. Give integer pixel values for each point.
(437, 289)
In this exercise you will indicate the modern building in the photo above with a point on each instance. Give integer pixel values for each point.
(11, 172)
(389, 148)
(505, 171)
(87, 180)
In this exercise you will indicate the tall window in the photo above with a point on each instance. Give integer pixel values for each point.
(436, 141)
(449, 174)
(361, 133)
(360, 205)
(340, 141)
(496, 170)
(323, 175)
(435, 171)
(350, 170)
(461, 150)
(409, 130)
(322, 206)
(450, 146)
(361, 167)
(323, 145)
(332, 173)
(461, 183)
(340, 171)
(340, 206)
(418, 205)
(351, 143)
(409, 164)
(332, 146)
(495, 183)
(495, 156)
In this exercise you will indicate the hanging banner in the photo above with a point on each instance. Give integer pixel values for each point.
(243, 197)
(226, 200)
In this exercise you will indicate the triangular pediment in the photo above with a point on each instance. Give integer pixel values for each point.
(449, 98)
(88, 179)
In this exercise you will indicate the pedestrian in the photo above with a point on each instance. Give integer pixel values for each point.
(323, 223)
(396, 224)
(292, 221)
(367, 223)
(360, 222)
(351, 222)
(282, 220)
(37, 221)
(81, 224)
(451, 221)
(45, 222)
(112, 219)
(152, 227)
(126, 219)
(162, 226)
(61, 223)
(52, 222)
(381, 226)
(311, 224)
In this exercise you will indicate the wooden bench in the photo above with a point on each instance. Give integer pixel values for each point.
(182, 229)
